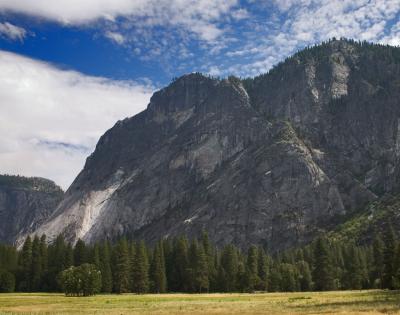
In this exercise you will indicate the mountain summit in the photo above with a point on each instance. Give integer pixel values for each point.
(273, 160)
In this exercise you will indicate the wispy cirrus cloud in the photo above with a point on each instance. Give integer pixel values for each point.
(51, 119)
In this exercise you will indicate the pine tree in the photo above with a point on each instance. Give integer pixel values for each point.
(208, 250)
(121, 267)
(141, 270)
(179, 279)
(44, 260)
(36, 269)
(26, 265)
(305, 278)
(263, 268)
(288, 278)
(388, 259)
(199, 267)
(378, 252)
(252, 269)
(80, 253)
(322, 273)
(158, 278)
(275, 279)
(353, 274)
(105, 268)
(56, 262)
(229, 262)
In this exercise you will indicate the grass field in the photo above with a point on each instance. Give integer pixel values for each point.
(343, 302)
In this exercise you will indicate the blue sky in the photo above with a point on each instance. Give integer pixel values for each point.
(97, 61)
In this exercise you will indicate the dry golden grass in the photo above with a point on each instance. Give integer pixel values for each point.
(340, 302)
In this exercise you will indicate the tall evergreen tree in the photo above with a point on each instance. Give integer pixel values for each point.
(229, 263)
(252, 278)
(389, 259)
(378, 263)
(179, 279)
(199, 267)
(45, 258)
(263, 267)
(322, 273)
(36, 268)
(26, 265)
(80, 253)
(158, 278)
(121, 267)
(141, 270)
(105, 268)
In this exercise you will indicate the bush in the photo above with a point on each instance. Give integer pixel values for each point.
(84, 280)
(7, 282)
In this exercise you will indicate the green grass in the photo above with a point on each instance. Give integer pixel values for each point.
(339, 302)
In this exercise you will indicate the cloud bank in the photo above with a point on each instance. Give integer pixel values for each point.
(51, 119)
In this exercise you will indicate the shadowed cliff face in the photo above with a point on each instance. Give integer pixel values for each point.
(25, 203)
(272, 160)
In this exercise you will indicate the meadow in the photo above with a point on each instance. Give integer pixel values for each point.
(337, 302)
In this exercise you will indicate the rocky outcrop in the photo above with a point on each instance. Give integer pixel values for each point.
(272, 160)
(25, 203)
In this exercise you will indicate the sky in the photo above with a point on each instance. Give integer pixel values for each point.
(69, 69)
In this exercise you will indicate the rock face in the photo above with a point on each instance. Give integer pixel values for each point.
(25, 203)
(272, 160)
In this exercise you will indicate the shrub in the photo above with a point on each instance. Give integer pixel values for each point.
(84, 280)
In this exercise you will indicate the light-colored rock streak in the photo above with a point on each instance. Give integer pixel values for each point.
(340, 75)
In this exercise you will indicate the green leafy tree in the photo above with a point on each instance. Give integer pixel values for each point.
(84, 280)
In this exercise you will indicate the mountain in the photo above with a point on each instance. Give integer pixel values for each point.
(273, 160)
(25, 203)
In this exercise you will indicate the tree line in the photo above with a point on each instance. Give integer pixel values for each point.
(182, 265)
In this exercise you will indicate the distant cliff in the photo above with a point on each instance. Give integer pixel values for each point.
(25, 203)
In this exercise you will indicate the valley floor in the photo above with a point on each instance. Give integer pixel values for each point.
(339, 302)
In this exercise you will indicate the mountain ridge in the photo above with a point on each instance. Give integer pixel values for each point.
(273, 160)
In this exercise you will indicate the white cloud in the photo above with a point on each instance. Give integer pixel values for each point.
(51, 119)
(293, 24)
(12, 32)
(197, 16)
(115, 37)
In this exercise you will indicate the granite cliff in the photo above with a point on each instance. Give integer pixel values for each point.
(272, 160)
